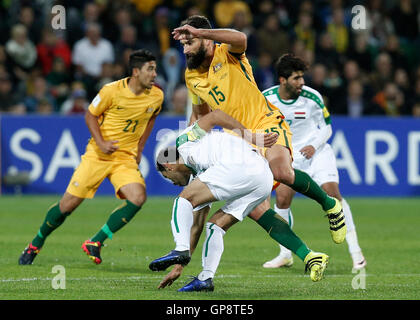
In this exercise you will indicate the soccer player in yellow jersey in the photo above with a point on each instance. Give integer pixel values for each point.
(219, 76)
(120, 119)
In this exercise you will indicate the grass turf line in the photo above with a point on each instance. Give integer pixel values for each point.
(387, 230)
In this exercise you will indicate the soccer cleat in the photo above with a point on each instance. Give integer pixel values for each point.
(316, 263)
(198, 285)
(93, 250)
(173, 257)
(279, 261)
(28, 255)
(336, 219)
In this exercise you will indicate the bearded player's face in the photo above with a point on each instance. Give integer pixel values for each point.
(294, 84)
(194, 51)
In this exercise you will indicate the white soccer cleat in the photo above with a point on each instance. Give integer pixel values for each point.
(279, 261)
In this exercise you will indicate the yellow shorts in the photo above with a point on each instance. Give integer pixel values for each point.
(91, 172)
(274, 122)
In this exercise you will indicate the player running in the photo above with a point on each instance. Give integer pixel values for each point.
(310, 123)
(219, 76)
(226, 168)
(120, 119)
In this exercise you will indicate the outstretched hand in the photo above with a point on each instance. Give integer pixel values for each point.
(307, 151)
(171, 276)
(186, 32)
(262, 139)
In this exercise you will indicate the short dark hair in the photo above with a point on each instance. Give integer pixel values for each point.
(167, 155)
(289, 63)
(138, 58)
(198, 22)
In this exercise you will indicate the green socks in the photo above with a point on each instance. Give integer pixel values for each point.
(52, 221)
(305, 185)
(279, 230)
(118, 219)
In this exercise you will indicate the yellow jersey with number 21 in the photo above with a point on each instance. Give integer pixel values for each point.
(123, 116)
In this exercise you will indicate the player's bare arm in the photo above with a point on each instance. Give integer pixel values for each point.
(107, 147)
(199, 111)
(236, 40)
(144, 137)
(220, 118)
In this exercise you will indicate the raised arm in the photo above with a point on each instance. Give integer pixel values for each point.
(236, 40)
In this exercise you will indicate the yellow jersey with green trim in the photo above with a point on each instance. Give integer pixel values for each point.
(123, 116)
(229, 85)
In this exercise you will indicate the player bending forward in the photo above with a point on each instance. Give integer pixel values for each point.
(310, 124)
(219, 77)
(226, 168)
(120, 119)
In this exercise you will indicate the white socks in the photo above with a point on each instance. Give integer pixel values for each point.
(181, 223)
(212, 251)
(351, 236)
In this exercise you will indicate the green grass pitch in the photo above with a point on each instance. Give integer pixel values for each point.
(388, 231)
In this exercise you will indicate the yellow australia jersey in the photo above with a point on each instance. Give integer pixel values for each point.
(123, 116)
(229, 85)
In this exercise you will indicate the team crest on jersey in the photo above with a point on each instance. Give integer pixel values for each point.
(149, 110)
(217, 67)
(300, 115)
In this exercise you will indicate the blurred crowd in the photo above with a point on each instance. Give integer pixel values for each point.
(370, 71)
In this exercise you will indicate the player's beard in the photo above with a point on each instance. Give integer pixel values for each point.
(195, 60)
(292, 91)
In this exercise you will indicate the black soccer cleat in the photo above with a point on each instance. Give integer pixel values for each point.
(93, 250)
(28, 255)
(173, 257)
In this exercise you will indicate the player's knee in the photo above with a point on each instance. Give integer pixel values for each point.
(283, 202)
(138, 199)
(190, 197)
(68, 205)
(284, 175)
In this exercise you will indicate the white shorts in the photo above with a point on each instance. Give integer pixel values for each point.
(243, 186)
(322, 167)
